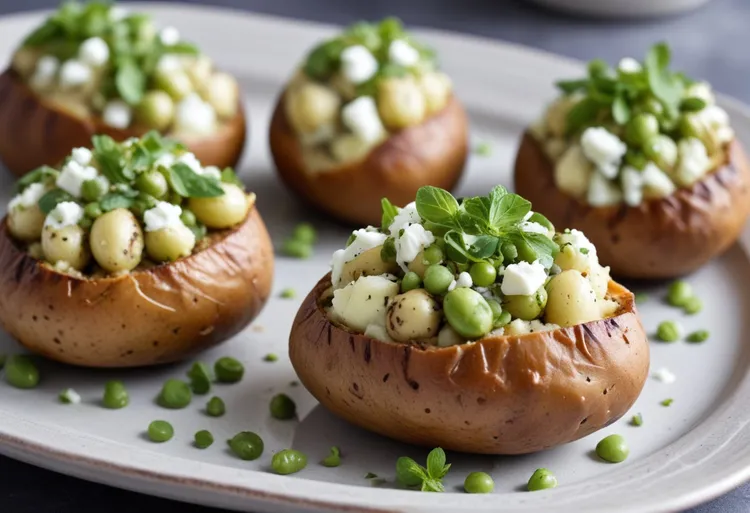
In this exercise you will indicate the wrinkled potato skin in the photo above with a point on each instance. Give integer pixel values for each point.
(499, 395)
(368, 263)
(658, 239)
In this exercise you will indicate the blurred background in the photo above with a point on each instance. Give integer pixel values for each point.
(709, 40)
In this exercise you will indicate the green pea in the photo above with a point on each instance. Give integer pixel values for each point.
(282, 407)
(92, 210)
(636, 159)
(391, 28)
(496, 308)
(156, 110)
(613, 449)
(502, 320)
(305, 232)
(215, 407)
(160, 431)
(246, 445)
(176, 84)
(541, 479)
(175, 394)
(288, 462)
(528, 307)
(152, 183)
(115, 395)
(21, 372)
(296, 249)
(323, 60)
(188, 218)
(388, 251)
(410, 281)
(432, 255)
(679, 293)
(698, 336)
(200, 378)
(228, 370)
(483, 274)
(693, 306)
(641, 128)
(174, 198)
(437, 279)
(668, 331)
(468, 313)
(271, 357)
(653, 106)
(508, 251)
(92, 190)
(203, 439)
(479, 482)
(333, 459)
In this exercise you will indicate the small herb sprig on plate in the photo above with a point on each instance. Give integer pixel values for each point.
(412, 475)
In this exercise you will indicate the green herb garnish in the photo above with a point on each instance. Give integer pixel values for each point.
(410, 474)
(271, 357)
(288, 293)
(697, 336)
(483, 149)
(667, 402)
(637, 420)
(334, 459)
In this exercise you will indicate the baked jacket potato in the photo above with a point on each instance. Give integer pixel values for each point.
(132, 273)
(530, 356)
(121, 78)
(660, 192)
(367, 116)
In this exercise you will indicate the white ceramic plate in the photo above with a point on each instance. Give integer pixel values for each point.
(689, 452)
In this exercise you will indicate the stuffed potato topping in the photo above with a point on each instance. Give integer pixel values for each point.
(642, 160)
(471, 326)
(131, 254)
(368, 115)
(94, 69)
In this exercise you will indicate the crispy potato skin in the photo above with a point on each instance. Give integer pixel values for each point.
(662, 238)
(159, 315)
(499, 395)
(431, 153)
(35, 133)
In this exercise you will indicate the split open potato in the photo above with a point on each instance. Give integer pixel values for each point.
(367, 116)
(123, 79)
(510, 360)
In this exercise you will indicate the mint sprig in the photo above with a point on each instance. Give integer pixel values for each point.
(429, 479)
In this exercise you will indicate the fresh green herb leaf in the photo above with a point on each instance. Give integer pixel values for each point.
(483, 149)
(572, 86)
(409, 473)
(49, 201)
(637, 420)
(437, 206)
(388, 251)
(620, 110)
(483, 247)
(334, 460)
(456, 247)
(432, 485)
(584, 251)
(535, 246)
(40, 174)
(697, 337)
(183, 48)
(271, 357)
(667, 402)
(113, 200)
(288, 293)
(598, 68)
(582, 114)
(190, 184)
(692, 105)
(130, 82)
(507, 210)
(663, 84)
(389, 213)
(109, 155)
(45, 33)
(229, 176)
(435, 463)
(370, 475)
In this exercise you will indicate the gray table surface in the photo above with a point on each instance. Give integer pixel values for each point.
(710, 42)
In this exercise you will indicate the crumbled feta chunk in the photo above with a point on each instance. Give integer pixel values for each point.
(604, 149)
(94, 52)
(523, 278)
(361, 117)
(358, 64)
(665, 375)
(29, 197)
(602, 192)
(402, 53)
(212, 172)
(117, 114)
(656, 183)
(530, 227)
(517, 327)
(406, 216)
(169, 36)
(195, 116)
(363, 302)
(693, 161)
(464, 280)
(74, 73)
(72, 177)
(190, 160)
(412, 240)
(629, 65)
(579, 241)
(167, 160)
(666, 148)
(46, 69)
(163, 215)
(632, 185)
(701, 90)
(364, 239)
(169, 63)
(82, 156)
(67, 213)
(716, 120)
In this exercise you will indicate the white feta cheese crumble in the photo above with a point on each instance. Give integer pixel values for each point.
(169, 36)
(629, 65)
(163, 215)
(656, 182)
(70, 396)
(67, 213)
(631, 180)
(408, 245)
(530, 227)
(358, 64)
(666, 148)
(693, 160)
(464, 280)
(406, 216)
(117, 114)
(189, 159)
(701, 90)
(579, 241)
(364, 239)
(94, 52)
(169, 63)
(74, 73)
(195, 116)
(604, 149)
(602, 192)
(361, 117)
(523, 278)
(46, 69)
(716, 119)
(82, 156)
(72, 177)
(665, 375)
(452, 286)
(212, 172)
(167, 160)
(402, 53)
(29, 197)
(363, 302)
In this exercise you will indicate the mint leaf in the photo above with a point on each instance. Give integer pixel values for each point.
(389, 213)
(572, 86)
(435, 462)
(534, 246)
(49, 201)
(666, 86)
(456, 247)
(581, 114)
(109, 155)
(432, 485)
(437, 206)
(538, 218)
(445, 470)
(692, 105)
(183, 48)
(620, 110)
(130, 82)
(509, 210)
(190, 184)
(478, 211)
(40, 174)
(483, 247)
(45, 33)
(114, 200)
(229, 176)
(409, 473)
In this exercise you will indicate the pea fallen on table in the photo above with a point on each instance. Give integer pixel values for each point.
(613, 449)
(115, 395)
(215, 407)
(160, 431)
(228, 370)
(479, 482)
(282, 407)
(203, 439)
(246, 445)
(175, 394)
(288, 461)
(21, 372)
(541, 479)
